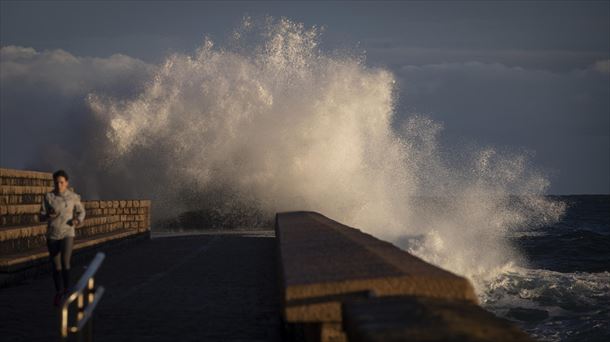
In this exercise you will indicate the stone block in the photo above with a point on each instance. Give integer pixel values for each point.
(91, 204)
(23, 190)
(18, 209)
(21, 199)
(14, 173)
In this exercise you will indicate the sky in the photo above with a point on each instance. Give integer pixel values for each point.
(518, 76)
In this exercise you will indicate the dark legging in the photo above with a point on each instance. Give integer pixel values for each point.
(60, 252)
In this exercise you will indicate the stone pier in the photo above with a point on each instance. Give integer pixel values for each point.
(341, 284)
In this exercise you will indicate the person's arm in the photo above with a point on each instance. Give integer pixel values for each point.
(46, 210)
(43, 210)
(80, 211)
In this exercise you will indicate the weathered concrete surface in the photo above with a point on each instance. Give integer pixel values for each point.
(402, 318)
(209, 287)
(323, 261)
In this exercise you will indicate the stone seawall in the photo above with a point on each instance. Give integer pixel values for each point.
(338, 283)
(22, 235)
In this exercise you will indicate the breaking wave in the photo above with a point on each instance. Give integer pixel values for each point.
(270, 122)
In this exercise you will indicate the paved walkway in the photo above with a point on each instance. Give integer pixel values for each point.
(207, 287)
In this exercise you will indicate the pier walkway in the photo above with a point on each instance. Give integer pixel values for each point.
(215, 286)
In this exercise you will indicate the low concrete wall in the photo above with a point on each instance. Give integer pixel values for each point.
(326, 266)
(22, 236)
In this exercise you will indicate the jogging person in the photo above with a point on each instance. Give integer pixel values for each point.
(58, 209)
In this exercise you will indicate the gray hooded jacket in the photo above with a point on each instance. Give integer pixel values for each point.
(65, 204)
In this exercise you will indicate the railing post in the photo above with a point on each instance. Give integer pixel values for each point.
(87, 296)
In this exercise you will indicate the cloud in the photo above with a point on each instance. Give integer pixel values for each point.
(43, 114)
(393, 54)
(64, 74)
(602, 66)
(562, 116)
(473, 92)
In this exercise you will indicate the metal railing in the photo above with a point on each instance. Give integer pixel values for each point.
(87, 297)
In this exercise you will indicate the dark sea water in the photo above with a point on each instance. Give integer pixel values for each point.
(563, 292)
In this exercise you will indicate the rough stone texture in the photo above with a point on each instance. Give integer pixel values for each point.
(321, 258)
(16, 209)
(209, 287)
(24, 190)
(15, 173)
(427, 319)
(21, 199)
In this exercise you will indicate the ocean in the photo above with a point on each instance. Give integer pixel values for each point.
(562, 292)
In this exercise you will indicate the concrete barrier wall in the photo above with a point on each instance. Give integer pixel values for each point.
(331, 273)
(22, 236)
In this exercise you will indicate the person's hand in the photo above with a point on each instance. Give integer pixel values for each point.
(75, 222)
